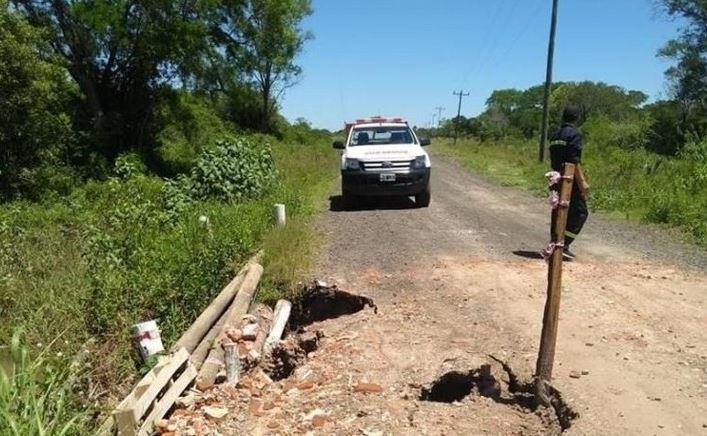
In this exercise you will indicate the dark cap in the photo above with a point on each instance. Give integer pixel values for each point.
(571, 114)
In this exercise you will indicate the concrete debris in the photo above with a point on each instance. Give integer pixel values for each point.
(186, 401)
(216, 414)
(234, 334)
(250, 331)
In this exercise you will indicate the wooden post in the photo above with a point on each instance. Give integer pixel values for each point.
(233, 367)
(548, 339)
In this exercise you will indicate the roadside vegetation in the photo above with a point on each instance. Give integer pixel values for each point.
(644, 161)
(636, 184)
(80, 270)
(137, 172)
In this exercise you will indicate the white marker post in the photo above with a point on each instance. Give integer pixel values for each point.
(280, 215)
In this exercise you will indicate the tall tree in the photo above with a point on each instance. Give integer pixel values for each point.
(35, 123)
(263, 37)
(120, 53)
(688, 76)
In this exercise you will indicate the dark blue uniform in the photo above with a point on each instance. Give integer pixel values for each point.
(566, 147)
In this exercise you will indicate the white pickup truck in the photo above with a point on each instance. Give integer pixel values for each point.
(384, 156)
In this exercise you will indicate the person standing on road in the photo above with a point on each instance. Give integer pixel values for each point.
(566, 147)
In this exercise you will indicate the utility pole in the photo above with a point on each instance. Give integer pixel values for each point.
(433, 119)
(439, 114)
(461, 94)
(548, 81)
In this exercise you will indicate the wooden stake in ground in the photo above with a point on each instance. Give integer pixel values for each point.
(548, 339)
(233, 363)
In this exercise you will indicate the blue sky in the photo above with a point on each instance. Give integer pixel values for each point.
(405, 57)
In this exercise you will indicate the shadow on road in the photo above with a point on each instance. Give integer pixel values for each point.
(528, 254)
(338, 204)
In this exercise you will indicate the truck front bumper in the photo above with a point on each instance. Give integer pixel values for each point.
(369, 183)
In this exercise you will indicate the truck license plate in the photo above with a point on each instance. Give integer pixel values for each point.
(387, 177)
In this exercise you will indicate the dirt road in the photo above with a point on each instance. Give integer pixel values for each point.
(456, 282)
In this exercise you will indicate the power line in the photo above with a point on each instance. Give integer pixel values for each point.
(522, 30)
(484, 46)
(494, 47)
(489, 47)
(461, 95)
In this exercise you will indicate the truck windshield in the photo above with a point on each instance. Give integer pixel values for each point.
(383, 135)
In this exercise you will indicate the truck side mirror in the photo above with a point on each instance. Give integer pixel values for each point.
(424, 141)
(339, 145)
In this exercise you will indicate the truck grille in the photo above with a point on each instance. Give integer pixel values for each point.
(387, 166)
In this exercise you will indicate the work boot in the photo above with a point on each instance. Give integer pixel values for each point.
(567, 255)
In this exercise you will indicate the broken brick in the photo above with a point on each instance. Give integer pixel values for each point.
(368, 388)
(319, 421)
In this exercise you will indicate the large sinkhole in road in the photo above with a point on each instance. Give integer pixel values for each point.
(456, 385)
(319, 302)
(316, 302)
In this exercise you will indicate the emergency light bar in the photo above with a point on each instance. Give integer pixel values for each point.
(378, 119)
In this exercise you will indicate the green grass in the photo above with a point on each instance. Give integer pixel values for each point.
(632, 184)
(35, 395)
(289, 251)
(110, 254)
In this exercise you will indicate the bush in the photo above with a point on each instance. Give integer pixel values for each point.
(603, 132)
(189, 125)
(236, 169)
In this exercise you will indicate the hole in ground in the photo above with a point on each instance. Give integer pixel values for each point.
(317, 303)
(456, 385)
(291, 353)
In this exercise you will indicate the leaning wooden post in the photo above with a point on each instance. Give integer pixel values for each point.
(548, 339)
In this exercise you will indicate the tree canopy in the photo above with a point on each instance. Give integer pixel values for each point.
(102, 77)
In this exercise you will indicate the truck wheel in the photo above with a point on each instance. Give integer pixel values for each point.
(423, 198)
(349, 199)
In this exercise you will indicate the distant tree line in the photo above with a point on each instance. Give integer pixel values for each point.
(83, 81)
(611, 114)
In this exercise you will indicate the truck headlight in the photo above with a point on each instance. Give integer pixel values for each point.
(418, 163)
(352, 164)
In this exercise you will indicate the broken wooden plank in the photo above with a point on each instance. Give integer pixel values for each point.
(130, 411)
(194, 335)
(282, 314)
(202, 350)
(168, 399)
(215, 360)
